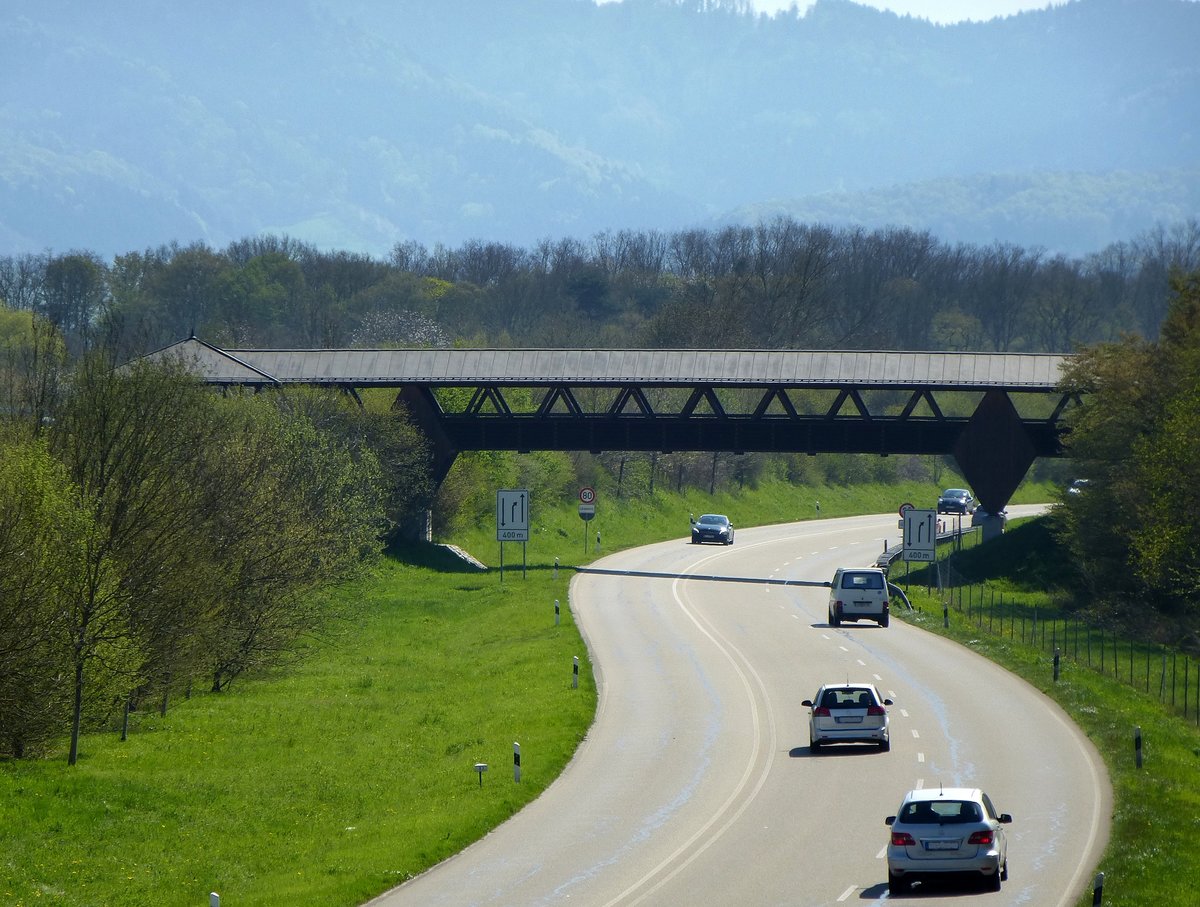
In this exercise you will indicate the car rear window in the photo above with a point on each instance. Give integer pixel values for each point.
(869, 580)
(847, 699)
(945, 812)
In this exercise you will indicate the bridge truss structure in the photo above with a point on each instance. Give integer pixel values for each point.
(995, 413)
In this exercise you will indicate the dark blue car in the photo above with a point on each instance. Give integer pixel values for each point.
(956, 500)
(712, 527)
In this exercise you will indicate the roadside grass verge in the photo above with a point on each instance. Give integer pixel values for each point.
(324, 784)
(1150, 858)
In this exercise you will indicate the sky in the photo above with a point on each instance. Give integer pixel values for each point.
(943, 12)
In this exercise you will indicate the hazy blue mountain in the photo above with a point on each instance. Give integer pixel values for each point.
(355, 124)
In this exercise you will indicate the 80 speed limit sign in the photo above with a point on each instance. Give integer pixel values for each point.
(587, 495)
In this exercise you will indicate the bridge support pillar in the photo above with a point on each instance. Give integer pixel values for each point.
(994, 451)
(423, 408)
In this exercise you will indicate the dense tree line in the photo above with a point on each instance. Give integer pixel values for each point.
(154, 534)
(1133, 529)
(781, 284)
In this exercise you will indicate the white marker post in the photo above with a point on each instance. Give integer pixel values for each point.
(517, 762)
(214, 899)
(556, 612)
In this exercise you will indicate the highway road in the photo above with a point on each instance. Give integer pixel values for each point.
(695, 785)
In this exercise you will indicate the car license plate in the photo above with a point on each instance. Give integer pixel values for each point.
(849, 719)
(941, 845)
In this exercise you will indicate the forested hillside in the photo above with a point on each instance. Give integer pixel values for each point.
(357, 125)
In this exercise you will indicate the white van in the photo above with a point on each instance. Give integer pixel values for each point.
(859, 593)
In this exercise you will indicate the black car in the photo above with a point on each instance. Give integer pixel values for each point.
(956, 500)
(712, 527)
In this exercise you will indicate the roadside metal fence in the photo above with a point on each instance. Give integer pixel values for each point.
(1171, 676)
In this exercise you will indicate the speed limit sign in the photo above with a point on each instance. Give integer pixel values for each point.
(587, 495)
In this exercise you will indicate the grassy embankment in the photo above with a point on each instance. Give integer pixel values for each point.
(1150, 857)
(351, 771)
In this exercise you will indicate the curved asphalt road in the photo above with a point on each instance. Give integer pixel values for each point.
(695, 784)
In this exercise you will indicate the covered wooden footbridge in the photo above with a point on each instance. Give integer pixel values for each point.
(993, 412)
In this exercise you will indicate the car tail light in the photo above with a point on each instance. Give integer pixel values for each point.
(875, 710)
(903, 839)
(982, 837)
(821, 712)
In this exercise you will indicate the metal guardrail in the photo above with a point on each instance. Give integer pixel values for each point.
(890, 554)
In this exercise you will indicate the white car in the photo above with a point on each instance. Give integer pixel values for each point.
(859, 593)
(940, 830)
(848, 713)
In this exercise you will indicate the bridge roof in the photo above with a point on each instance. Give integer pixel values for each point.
(615, 367)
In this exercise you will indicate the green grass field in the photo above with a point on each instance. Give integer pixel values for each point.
(323, 785)
(351, 771)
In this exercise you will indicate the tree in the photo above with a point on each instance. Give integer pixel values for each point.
(127, 438)
(371, 435)
(1131, 532)
(43, 532)
(32, 360)
(1062, 306)
(1116, 384)
(21, 280)
(74, 294)
(307, 512)
(1166, 466)
(188, 291)
(1000, 293)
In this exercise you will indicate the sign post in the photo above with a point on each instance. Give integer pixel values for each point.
(512, 521)
(920, 535)
(587, 510)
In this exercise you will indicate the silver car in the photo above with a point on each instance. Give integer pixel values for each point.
(848, 713)
(941, 830)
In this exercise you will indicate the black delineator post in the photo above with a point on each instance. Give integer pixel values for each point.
(1057, 657)
(1137, 746)
(516, 762)
(1098, 890)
